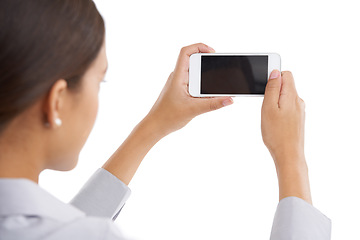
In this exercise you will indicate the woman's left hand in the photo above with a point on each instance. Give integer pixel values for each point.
(175, 107)
(173, 110)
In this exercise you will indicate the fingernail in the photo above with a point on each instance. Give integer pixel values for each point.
(228, 102)
(274, 74)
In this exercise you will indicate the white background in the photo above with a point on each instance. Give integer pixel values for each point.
(214, 179)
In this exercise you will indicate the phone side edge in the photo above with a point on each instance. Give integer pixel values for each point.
(194, 74)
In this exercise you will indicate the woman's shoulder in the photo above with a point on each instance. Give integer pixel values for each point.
(29, 212)
(90, 228)
(35, 227)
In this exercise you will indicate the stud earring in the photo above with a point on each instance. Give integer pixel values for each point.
(58, 122)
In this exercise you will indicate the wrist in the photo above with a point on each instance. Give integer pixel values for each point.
(153, 127)
(289, 159)
(294, 181)
(298, 167)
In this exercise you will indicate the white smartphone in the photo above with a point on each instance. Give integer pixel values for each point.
(230, 74)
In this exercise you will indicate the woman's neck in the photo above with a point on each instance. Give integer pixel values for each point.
(12, 168)
(20, 157)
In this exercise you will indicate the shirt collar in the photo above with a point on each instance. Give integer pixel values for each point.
(19, 196)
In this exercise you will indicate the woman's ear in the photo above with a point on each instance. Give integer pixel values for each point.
(53, 104)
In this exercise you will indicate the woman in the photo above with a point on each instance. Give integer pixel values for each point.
(52, 60)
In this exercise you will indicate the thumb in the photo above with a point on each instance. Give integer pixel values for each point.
(211, 104)
(273, 88)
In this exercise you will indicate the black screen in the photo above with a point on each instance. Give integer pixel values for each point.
(234, 74)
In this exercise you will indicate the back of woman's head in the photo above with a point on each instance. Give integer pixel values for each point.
(42, 41)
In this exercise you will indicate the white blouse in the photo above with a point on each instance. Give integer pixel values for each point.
(29, 212)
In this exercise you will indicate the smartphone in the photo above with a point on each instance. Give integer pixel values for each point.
(230, 74)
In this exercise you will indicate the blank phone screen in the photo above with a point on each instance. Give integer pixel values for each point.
(234, 74)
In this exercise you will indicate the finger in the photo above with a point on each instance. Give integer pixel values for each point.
(182, 64)
(273, 88)
(211, 104)
(288, 83)
(288, 89)
(302, 103)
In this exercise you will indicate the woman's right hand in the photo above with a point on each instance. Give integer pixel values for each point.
(282, 126)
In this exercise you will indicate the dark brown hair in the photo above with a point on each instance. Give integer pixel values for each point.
(42, 41)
